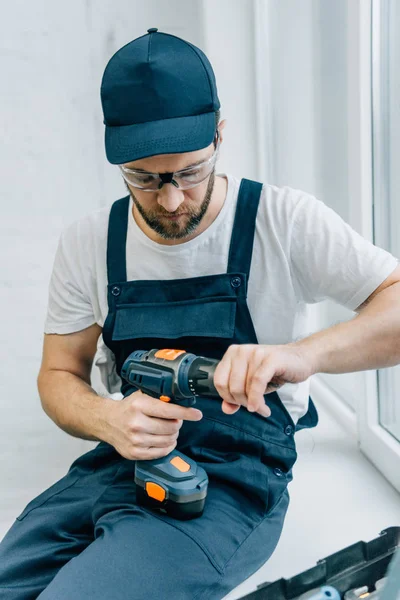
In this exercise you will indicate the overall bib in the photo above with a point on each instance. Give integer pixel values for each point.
(120, 550)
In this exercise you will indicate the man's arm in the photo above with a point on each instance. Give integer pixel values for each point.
(64, 384)
(369, 341)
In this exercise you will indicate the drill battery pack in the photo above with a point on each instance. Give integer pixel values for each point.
(358, 566)
(177, 487)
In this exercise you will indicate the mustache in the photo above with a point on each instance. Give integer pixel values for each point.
(171, 214)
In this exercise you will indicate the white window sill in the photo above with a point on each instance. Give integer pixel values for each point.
(337, 498)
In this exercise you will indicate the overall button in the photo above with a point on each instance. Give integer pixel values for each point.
(278, 472)
(116, 290)
(236, 282)
(288, 430)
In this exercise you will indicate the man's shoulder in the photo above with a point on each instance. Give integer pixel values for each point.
(271, 190)
(284, 192)
(279, 202)
(92, 225)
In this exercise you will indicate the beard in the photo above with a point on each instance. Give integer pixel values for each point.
(175, 230)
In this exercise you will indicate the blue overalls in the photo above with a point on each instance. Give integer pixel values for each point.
(120, 550)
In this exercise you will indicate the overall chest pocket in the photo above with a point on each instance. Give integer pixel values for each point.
(205, 317)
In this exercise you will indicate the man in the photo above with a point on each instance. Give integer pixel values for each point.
(221, 268)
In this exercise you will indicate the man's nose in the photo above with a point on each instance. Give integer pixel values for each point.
(170, 197)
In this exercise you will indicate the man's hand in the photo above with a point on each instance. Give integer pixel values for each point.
(143, 428)
(248, 371)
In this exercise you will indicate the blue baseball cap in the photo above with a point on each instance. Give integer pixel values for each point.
(159, 96)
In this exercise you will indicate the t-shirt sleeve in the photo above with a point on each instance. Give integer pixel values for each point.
(69, 306)
(330, 260)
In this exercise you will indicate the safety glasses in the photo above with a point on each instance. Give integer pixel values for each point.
(183, 180)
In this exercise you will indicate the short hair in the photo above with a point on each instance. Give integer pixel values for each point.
(217, 117)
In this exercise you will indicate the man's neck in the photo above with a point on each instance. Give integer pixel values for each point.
(217, 201)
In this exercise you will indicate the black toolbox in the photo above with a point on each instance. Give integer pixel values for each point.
(360, 564)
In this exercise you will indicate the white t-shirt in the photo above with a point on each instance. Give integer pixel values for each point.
(303, 253)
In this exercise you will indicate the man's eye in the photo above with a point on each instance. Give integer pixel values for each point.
(191, 173)
(144, 178)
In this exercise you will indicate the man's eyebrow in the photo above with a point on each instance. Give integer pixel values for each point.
(188, 167)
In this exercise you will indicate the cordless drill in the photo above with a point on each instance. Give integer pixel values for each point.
(173, 484)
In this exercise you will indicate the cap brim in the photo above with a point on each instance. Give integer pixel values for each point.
(170, 136)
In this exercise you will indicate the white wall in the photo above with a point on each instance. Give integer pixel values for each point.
(229, 45)
(54, 169)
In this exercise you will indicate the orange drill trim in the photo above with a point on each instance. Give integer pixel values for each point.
(180, 464)
(155, 491)
(168, 354)
(165, 398)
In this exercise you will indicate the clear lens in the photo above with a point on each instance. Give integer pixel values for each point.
(150, 182)
(193, 177)
(184, 180)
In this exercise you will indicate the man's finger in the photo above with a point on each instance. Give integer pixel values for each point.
(261, 377)
(264, 411)
(228, 408)
(237, 379)
(254, 364)
(221, 378)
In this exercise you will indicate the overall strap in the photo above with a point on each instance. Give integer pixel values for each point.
(116, 241)
(241, 248)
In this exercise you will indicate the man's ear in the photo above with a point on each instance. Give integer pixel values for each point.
(221, 126)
